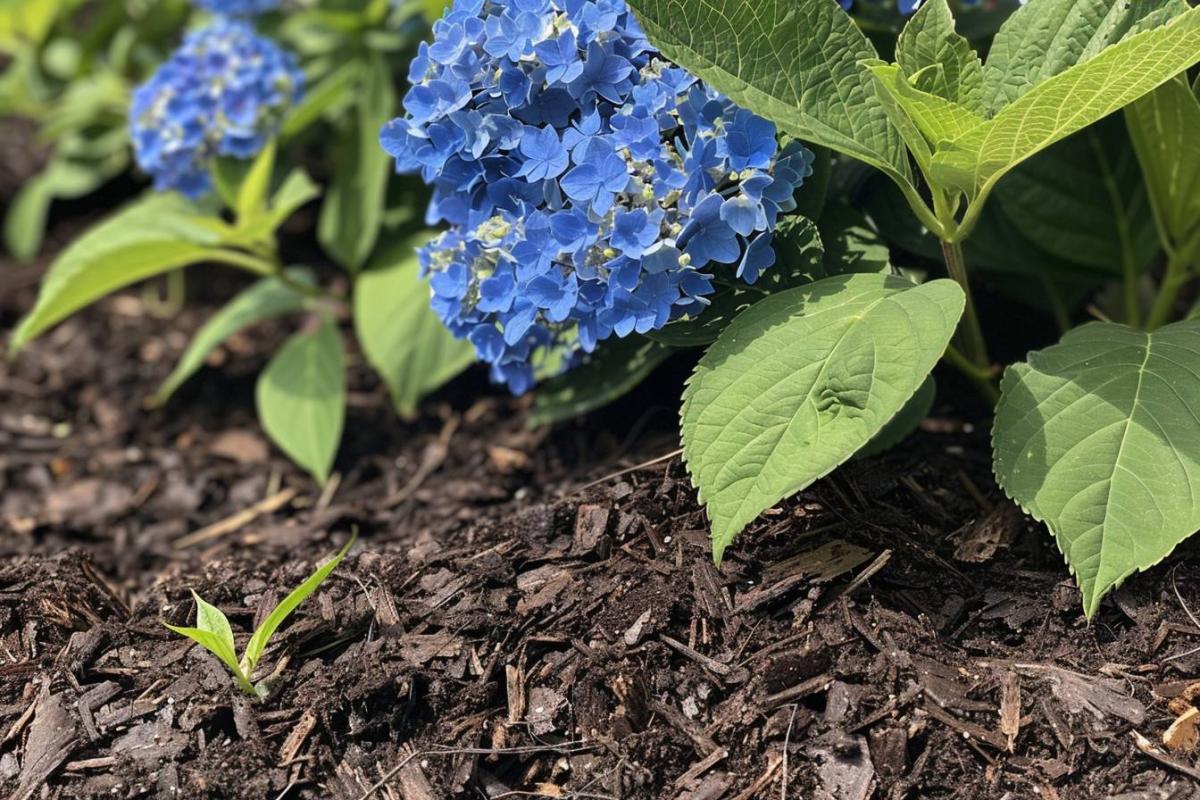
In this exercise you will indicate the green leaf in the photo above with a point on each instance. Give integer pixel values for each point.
(297, 189)
(1165, 127)
(801, 382)
(262, 637)
(302, 398)
(1068, 102)
(851, 245)
(25, 223)
(353, 208)
(938, 60)
(1046, 37)
(1083, 202)
(905, 423)
(152, 236)
(1097, 437)
(327, 93)
(400, 334)
(212, 632)
(794, 62)
(251, 198)
(269, 297)
(925, 120)
(616, 368)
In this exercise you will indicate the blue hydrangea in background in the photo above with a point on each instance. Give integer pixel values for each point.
(590, 186)
(222, 92)
(238, 8)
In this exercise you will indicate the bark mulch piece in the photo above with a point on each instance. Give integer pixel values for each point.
(526, 616)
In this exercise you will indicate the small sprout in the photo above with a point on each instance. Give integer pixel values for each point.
(212, 631)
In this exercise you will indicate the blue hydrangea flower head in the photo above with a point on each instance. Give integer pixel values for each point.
(237, 8)
(222, 93)
(592, 188)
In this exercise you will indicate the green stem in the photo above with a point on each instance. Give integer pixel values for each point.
(970, 355)
(1178, 273)
(1129, 266)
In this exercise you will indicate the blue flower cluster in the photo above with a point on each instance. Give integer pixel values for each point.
(222, 92)
(590, 186)
(238, 8)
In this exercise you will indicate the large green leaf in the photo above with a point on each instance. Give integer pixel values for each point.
(801, 382)
(302, 398)
(152, 236)
(907, 420)
(794, 62)
(1084, 202)
(1046, 37)
(616, 369)
(353, 208)
(938, 60)
(1068, 102)
(400, 334)
(1165, 127)
(1099, 437)
(269, 297)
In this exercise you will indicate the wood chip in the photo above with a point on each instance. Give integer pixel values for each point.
(1010, 708)
(237, 521)
(1184, 733)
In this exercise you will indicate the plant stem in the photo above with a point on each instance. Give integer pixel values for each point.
(1178, 273)
(970, 334)
(1129, 266)
(983, 379)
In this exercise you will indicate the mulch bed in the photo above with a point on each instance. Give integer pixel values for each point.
(535, 613)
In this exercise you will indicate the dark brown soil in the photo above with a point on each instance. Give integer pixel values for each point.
(531, 614)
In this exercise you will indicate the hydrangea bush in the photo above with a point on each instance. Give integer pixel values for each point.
(591, 187)
(238, 8)
(222, 93)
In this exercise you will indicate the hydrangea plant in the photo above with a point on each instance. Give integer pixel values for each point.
(222, 93)
(591, 187)
(238, 8)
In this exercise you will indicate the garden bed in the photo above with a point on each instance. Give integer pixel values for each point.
(535, 613)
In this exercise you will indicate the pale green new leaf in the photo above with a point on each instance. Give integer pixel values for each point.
(212, 632)
(925, 119)
(258, 642)
(269, 297)
(938, 60)
(301, 398)
(801, 381)
(1069, 102)
(150, 237)
(1046, 37)
(1099, 437)
(794, 62)
(251, 198)
(25, 222)
(1165, 127)
(400, 334)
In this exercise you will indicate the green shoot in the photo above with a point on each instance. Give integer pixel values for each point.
(212, 631)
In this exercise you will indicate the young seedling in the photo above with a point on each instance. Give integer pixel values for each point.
(212, 631)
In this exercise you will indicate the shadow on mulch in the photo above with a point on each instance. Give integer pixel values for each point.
(532, 613)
